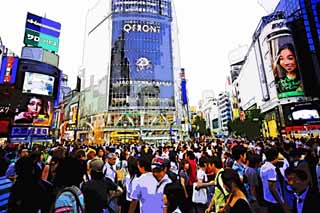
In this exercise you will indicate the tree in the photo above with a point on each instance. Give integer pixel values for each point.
(198, 126)
(250, 127)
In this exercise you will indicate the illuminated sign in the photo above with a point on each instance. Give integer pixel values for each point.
(43, 25)
(8, 69)
(26, 131)
(38, 39)
(141, 27)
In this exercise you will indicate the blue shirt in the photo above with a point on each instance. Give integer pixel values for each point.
(300, 200)
(5, 186)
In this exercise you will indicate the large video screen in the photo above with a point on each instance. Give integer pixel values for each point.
(34, 110)
(36, 83)
(302, 114)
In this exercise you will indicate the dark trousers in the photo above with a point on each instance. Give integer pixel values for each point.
(274, 207)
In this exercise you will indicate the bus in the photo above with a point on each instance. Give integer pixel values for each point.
(124, 137)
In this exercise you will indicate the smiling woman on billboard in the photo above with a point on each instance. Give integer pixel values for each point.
(286, 72)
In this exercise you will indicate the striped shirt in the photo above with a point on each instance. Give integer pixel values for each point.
(5, 186)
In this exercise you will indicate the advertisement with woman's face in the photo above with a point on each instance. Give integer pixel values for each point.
(34, 110)
(285, 67)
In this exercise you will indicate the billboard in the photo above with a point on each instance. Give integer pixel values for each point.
(33, 110)
(8, 69)
(42, 32)
(277, 45)
(37, 78)
(299, 114)
(141, 63)
(37, 39)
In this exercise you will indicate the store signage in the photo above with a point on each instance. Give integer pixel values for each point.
(8, 69)
(43, 25)
(141, 27)
(26, 131)
(37, 39)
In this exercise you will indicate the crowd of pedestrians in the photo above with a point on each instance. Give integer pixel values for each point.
(230, 175)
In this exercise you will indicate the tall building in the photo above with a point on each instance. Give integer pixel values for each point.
(131, 68)
(225, 110)
(210, 111)
(288, 98)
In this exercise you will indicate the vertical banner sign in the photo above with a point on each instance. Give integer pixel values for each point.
(42, 32)
(8, 69)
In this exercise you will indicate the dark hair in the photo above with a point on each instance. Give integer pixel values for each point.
(191, 155)
(278, 67)
(237, 151)
(271, 154)
(300, 173)
(203, 161)
(182, 163)
(175, 196)
(230, 176)
(69, 173)
(216, 161)
(145, 162)
(44, 108)
(253, 159)
(133, 166)
(3, 166)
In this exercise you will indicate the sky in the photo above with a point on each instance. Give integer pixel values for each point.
(208, 31)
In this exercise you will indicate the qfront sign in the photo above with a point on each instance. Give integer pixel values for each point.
(141, 27)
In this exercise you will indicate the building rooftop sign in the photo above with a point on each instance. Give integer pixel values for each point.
(42, 32)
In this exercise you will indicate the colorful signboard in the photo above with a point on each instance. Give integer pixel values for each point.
(8, 69)
(43, 25)
(37, 39)
(42, 32)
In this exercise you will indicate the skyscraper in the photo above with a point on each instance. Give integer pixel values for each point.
(130, 63)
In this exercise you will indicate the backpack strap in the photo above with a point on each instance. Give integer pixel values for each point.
(219, 185)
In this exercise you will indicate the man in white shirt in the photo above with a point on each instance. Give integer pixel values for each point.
(271, 184)
(109, 169)
(144, 190)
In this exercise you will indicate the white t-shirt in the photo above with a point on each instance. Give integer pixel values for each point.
(268, 173)
(144, 189)
(201, 175)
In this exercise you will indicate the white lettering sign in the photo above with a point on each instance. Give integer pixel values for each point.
(137, 27)
(38, 39)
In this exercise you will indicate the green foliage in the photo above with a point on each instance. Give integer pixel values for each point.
(199, 125)
(250, 127)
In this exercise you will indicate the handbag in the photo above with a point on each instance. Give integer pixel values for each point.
(200, 195)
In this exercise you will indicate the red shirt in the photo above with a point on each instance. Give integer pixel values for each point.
(192, 172)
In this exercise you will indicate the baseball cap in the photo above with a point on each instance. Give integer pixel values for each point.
(96, 164)
(158, 163)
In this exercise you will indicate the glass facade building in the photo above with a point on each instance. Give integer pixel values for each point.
(130, 73)
(141, 61)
